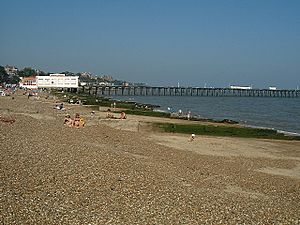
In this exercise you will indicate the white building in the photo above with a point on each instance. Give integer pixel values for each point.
(240, 87)
(28, 82)
(57, 80)
(273, 88)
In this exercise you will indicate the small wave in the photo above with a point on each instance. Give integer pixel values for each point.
(160, 110)
(258, 127)
(287, 133)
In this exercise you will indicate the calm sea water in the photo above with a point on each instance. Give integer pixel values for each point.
(276, 113)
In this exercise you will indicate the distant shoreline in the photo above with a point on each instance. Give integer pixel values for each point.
(208, 107)
(205, 126)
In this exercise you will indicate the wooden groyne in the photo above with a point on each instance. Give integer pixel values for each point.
(185, 91)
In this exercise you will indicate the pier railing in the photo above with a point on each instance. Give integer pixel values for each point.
(185, 91)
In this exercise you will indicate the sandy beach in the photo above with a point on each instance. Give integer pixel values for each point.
(122, 172)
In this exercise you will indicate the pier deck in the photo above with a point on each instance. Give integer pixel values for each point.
(185, 91)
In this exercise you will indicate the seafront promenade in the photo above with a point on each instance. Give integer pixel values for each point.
(187, 91)
(112, 172)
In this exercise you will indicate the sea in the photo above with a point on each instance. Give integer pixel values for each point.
(281, 114)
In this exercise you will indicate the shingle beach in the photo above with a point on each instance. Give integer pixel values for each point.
(107, 174)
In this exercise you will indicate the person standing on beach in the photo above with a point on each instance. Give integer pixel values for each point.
(189, 115)
(192, 138)
(179, 112)
(29, 94)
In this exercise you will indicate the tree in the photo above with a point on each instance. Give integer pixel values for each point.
(4, 78)
(14, 79)
(68, 73)
(27, 72)
(9, 79)
(42, 73)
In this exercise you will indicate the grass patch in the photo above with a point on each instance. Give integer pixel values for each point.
(223, 131)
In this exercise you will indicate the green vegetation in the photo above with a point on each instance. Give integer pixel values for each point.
(6, 78)
(27, 72)
(88, 99)
(223, 131)
(95, 101)
(3, 75)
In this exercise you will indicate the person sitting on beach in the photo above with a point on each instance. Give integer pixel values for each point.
(123, 115)
(81, 122)
(60, 106)
(78, 121)
(7, 119)
(68, 121)
(109, 114)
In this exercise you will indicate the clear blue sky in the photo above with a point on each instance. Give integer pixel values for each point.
(160, 42)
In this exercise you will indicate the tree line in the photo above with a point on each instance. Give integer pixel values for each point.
(6, 78)
(14, 78)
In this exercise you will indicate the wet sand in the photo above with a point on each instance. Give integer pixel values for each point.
(122, 172)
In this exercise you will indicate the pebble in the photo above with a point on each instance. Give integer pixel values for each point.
(51, 174)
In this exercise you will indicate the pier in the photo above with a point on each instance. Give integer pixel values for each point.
(185, 91)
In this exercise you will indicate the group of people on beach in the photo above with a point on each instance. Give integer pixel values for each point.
(77, 122)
